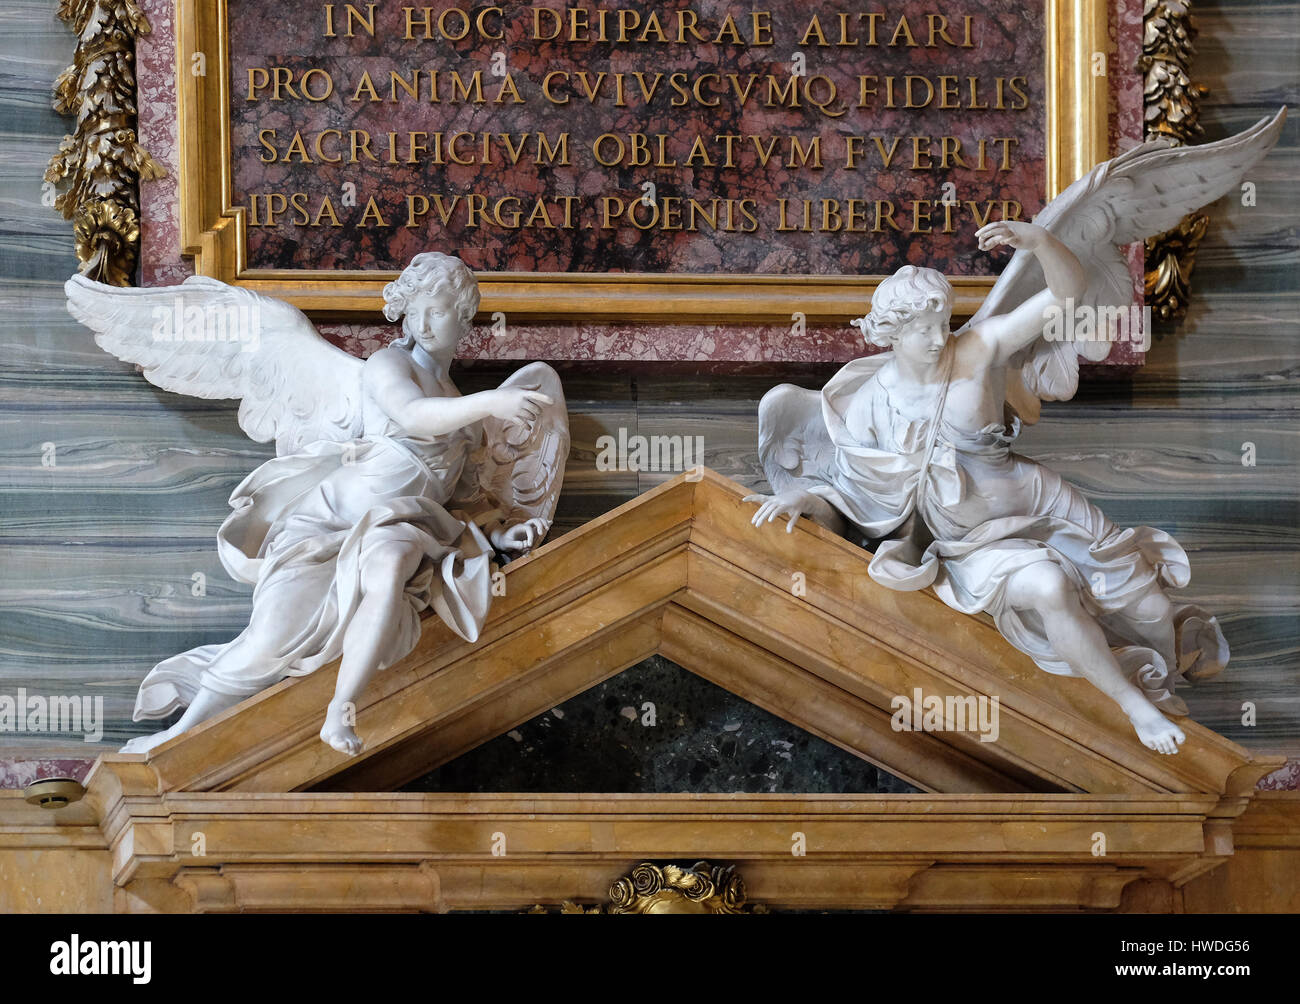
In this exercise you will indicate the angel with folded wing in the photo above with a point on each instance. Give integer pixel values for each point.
(909, 451)
(390, 492)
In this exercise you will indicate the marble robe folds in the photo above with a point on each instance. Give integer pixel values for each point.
(957, 510)
(300, 531)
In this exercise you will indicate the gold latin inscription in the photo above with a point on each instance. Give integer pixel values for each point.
(814, 92)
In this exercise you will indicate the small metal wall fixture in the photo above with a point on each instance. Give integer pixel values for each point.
(53, 792)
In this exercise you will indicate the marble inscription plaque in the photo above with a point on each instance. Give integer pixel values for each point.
(701, 138)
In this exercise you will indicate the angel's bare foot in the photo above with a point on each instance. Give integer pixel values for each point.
(337, 732)
(143, 744)
(1156, 731)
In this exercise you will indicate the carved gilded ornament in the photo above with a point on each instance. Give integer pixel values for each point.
(98, 167)
(1172, 105)
(650, 888)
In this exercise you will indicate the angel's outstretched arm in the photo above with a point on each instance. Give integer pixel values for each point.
(391, 385)
(1007, 334)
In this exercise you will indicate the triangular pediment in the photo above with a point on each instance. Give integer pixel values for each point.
(680, 572)
(658, 729)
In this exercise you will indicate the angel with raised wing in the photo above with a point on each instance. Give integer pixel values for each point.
(910, 451)
(389, 493)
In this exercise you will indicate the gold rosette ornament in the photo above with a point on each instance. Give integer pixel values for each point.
(671, 889)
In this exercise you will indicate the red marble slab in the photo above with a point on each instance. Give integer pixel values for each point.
(755, 205)
(19, 772)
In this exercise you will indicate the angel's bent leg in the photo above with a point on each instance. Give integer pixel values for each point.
(1079, 640)
(1152, 621)
(246, 665)
(384, 575)
(205, 705)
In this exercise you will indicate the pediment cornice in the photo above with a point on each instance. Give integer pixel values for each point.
(680, 571)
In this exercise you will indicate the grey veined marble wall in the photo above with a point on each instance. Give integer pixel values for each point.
(111, 491)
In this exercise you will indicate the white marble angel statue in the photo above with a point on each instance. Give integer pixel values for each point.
(388, 494)
(910, 451)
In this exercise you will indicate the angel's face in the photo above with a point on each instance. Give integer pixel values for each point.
(921, 340)
(432, 318)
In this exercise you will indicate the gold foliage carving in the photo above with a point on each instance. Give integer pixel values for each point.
(1172, 112)
(96, 169)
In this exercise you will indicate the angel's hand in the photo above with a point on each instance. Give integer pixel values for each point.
(793, 502)
(1028, 236)
(520, 537)
(521, 405)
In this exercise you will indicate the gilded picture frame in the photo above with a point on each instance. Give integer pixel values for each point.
(214, 232)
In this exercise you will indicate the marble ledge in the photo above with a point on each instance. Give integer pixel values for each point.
(19, 773)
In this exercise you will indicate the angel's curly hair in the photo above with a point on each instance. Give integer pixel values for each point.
(432, 272)
(898, 299)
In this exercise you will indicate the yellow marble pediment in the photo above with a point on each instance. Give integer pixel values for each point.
(1065, 810)
(790, 622)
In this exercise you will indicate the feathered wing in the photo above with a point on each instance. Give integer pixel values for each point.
(207, 339)
(1145, 191)
(794, 446)
(516, 474)
(1136, 195)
